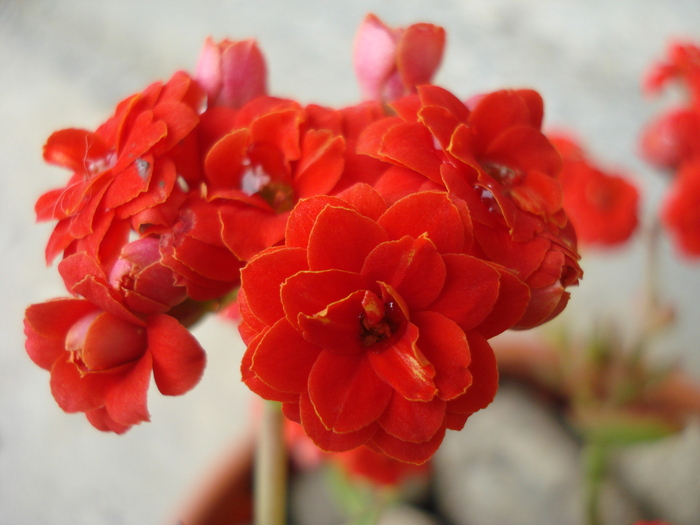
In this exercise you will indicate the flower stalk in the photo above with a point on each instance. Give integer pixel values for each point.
(271, 468)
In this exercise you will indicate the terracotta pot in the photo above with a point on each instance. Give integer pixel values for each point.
(226, 495)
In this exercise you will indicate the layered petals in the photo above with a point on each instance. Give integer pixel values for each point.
(363, 327)
(101, 364)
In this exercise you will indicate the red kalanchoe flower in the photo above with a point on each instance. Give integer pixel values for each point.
(681, 209)
(128, 167)
(683, 65)
(602, 207)
(101, 360)
(258, 171)
(495, 158)
(672, 138)
(231, 72)
(390, 63)
(370, 324)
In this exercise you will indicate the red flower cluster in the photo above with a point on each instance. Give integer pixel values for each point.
(377, 247)
(601, 206)
(671, 142)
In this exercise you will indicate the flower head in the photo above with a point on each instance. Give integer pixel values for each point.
(370, 324)
(494, 158)
(101, 360)
(601, 206)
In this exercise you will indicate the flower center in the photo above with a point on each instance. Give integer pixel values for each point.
(503, 174)
(278, 195)
(379, 321)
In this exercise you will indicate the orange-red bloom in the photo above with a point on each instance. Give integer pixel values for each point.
(126, 170)
(602, 207)
(257, 172)
(681, 209)
(370, 324)
(495, 158)
(101, 360)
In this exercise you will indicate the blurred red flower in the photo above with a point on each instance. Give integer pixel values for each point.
(680, 213)
(601, 206)
(370, 324)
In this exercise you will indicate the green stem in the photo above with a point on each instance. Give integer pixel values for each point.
(595, 467)
(271, 468)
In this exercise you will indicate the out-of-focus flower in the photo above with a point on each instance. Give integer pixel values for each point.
(680, 213)
(231, 72)
(494, 158)
(126, 170)
(682, 65)
(602, 207)
(369, 324)
(101, 359)
(390, 63)
(672, 138)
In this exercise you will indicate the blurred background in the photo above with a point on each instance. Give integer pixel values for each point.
(67, 63)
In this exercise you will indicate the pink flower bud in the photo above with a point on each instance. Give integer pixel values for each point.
(390, 63)
(231, 73)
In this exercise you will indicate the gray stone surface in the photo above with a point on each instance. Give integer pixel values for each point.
(515, 464)
(66, 63)
(664, 475)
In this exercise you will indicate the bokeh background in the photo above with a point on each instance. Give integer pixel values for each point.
(67, 63)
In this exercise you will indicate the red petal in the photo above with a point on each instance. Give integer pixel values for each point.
(405, 451)
(75, 149)
(414, 421)
(248, 230)
(311, 292)
(76, 392)
(327, 439)
(126, 400)
(513, 298)
(445, 346)
(283, 358)
(303, 217)
(337, 327)
(178, 359)
(46, 325)
(470, 291)
(321, 163)
(223, 164)
(413, 267)
(262, 278)
(484, 370)
(101, 420)
(419, 53)
(411, 146)
(405, 368)
(365, 199)
(426, 212)
(345, 391)
(341, 239)
(256, 384)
